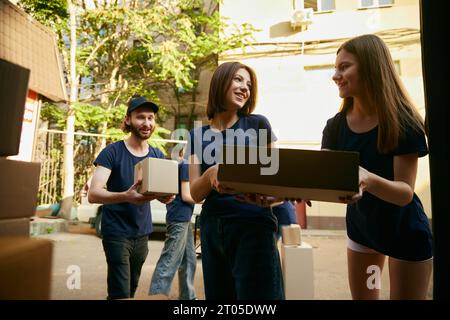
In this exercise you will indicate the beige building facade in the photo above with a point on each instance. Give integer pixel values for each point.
(293, 56)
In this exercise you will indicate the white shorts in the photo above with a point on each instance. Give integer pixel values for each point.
(355, 246)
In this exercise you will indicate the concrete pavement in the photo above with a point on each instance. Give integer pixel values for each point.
(80, 248)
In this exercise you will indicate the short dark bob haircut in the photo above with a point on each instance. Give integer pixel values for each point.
(221, 82)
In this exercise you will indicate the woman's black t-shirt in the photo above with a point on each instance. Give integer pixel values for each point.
(400, 232)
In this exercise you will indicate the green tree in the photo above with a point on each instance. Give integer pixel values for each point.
(155, 48)
(48, 12)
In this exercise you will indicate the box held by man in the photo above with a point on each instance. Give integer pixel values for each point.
(159, 176)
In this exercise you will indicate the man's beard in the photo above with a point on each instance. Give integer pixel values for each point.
(135, 131)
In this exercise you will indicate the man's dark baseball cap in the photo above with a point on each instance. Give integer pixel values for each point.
(137, 102)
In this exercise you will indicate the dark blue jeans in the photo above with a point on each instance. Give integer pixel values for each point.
(125, 258)
(240, 259)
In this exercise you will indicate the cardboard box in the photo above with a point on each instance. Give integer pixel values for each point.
(13, 94)
(306, 174)
(291, 235)
(18, 188)
(159, 176)
(15, 227)
(25, 268)
(298, 271)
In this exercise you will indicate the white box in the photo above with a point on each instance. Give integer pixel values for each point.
(159, 176)
(298, 271)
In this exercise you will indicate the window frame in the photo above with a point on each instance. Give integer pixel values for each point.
(376, 5)
(319, 7)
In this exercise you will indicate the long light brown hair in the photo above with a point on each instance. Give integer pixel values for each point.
(384, 89)
(221, 82)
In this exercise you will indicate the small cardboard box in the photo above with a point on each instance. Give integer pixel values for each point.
(159, 176)
(291, 234)
(18, 188)
(290, 173)
(15, 227)
(13, 94)
(298, 271)
(25, 268)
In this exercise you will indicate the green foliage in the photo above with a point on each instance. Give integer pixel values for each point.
(116, 116)
(88, 117)
(48, 12)
(115, 134)
(189, 38)
(159, 133)
(53, 114)
(151, 48)
(141, 47)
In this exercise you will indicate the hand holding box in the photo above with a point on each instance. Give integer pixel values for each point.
(159, 176)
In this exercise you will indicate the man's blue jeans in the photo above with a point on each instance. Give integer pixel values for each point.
(125, 258)
(240, 259)
(178, 254)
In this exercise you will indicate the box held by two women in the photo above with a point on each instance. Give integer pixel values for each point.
(290, 173)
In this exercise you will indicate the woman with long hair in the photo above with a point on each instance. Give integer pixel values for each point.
(378, 120)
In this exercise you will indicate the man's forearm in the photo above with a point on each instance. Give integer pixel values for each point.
(104, 196)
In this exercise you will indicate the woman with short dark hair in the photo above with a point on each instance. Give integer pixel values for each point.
(239, 253)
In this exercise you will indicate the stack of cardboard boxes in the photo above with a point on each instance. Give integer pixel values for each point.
(297, 265)
(25, 263)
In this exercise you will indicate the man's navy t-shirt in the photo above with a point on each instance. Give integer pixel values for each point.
(179, 210)
(124, 219)
(253, 128)
(285, 213)
(400, 232)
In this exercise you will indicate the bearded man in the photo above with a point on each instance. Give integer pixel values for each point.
(126, 216)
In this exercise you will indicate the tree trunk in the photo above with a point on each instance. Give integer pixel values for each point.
(190, 123)
(69, 139)
(106, 101)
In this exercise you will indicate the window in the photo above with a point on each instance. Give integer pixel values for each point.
(376, 3)
(320, 100)
(320, 5)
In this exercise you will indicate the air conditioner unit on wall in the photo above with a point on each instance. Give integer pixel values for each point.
(302, 18)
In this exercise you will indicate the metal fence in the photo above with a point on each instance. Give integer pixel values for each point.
(49, 152)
